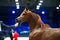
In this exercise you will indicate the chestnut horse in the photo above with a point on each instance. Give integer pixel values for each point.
(38, 30)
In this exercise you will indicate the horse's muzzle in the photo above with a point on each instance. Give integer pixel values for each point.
(18, 20)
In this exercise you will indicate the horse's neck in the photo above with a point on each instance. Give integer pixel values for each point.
(36, 21)
(33, 22)
(32, 25)
(42, 24)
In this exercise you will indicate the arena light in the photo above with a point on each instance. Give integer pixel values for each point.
(18, 6)
(43, 12)
(17, 3)
(57, 7)
(13, 12)
(41, 1)
(38, 7)
(16, 0)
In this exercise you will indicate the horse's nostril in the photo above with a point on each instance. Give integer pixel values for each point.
(17, 20)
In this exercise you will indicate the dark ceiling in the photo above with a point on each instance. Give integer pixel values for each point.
(13, 3)
(47, 3)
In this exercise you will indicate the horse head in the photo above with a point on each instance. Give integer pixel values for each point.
(28, 16)
(25, 15)
(33, 19)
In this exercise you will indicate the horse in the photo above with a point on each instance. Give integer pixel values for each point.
(38, 29)
(33, 19)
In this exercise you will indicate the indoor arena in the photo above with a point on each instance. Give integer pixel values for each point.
(29, 19)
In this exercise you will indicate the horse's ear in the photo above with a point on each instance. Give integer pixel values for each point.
(26, 9)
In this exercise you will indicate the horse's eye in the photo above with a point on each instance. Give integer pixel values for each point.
(24, 14)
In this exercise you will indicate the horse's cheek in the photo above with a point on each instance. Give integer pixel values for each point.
(25, 18)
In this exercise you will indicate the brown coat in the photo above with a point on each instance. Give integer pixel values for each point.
(38, 29)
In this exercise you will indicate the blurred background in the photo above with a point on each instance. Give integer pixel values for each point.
(49, 10)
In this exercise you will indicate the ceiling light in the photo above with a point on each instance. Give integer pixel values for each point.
(40, 4)
(37, 8)
(43, 12)
(41, 1)
(13, 12)
(17, 3)
(57, 7)
(16, 0)
(17, 6)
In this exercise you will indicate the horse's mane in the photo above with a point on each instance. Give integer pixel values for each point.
(35, 16)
